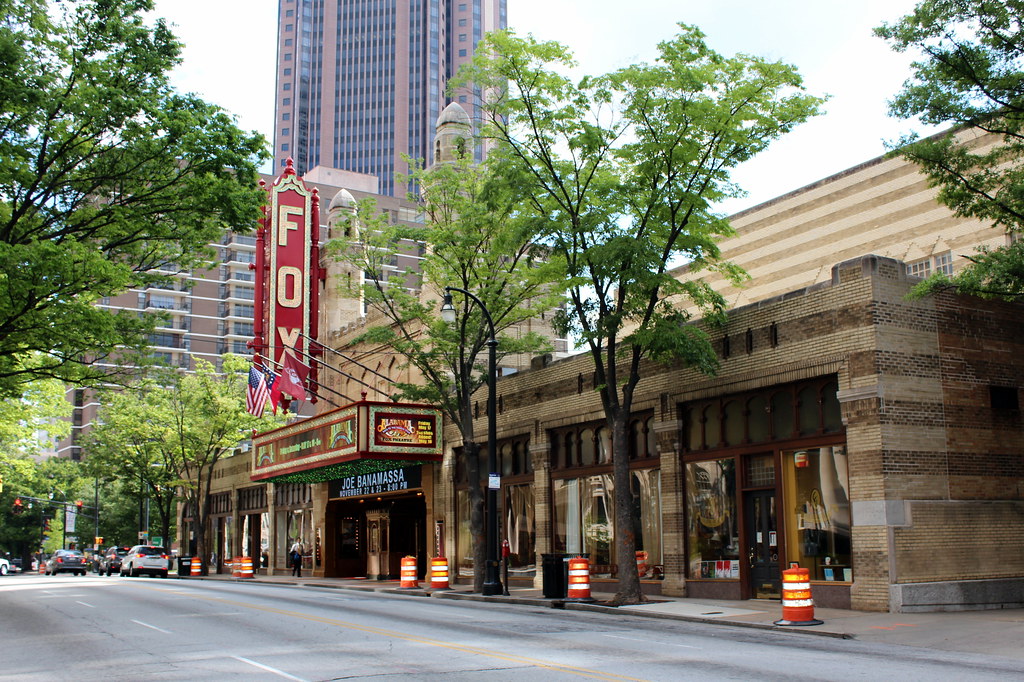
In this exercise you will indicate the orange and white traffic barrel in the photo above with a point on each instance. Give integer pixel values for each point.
(641, 563)
(579, 580)
(439, 574)
(236, 567)
(797, 605)
(244, 567)
(197, 566)
(408, 576)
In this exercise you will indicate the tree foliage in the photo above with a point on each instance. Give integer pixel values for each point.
(626, 168)
(46, 489)
(478, 236)
(969, 74)
(163, 438)
(108, 174)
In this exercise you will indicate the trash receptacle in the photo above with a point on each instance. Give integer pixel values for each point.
(184, 565)
(554, 576)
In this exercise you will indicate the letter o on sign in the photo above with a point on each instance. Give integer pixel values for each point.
(293, 275)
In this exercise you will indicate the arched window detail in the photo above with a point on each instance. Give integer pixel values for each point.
(603, 440)
(832, 417)
(809, 409)
(758, 428)
(588, 448)
(713, 425)
(783, 423)
(801, 409)
(650, 438)
(733, 422)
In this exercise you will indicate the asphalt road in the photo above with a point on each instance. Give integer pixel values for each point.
(146, 628)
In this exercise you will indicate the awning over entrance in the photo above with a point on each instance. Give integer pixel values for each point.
(360, 438)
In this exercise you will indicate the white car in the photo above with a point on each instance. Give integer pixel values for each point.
(145, 559)
(5, 566)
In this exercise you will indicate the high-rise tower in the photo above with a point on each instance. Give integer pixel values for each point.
(362, 82)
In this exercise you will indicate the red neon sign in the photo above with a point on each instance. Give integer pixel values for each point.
(288, 273)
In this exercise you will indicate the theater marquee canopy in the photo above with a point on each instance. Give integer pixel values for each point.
(360, 438)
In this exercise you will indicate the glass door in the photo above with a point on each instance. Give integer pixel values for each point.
(762, 544)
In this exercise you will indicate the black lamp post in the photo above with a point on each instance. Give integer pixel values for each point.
(492, 582)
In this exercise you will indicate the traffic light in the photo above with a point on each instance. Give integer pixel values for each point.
(18, 506)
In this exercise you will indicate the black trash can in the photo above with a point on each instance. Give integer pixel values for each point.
(554, 575)
(184, 565)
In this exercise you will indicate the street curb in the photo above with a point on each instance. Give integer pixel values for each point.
(529, 601)
(569, 606)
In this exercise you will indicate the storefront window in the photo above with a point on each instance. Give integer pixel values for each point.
(597, 519)
(520, 530)
(585, 519)
(295, 526)
(712, 523)
(646, 488)
(818, 482)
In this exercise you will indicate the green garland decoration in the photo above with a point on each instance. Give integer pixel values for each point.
(343, 469)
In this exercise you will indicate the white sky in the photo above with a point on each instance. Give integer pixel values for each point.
(230, 54)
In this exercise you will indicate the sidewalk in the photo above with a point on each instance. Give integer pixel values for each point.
(993, 632)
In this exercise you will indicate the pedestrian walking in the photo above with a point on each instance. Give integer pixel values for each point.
(296, 559)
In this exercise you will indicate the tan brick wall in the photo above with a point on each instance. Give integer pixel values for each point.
(960, 540)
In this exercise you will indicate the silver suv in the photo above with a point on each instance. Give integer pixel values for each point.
(145, 559)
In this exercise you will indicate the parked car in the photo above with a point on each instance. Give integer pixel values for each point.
(16, 565)
(145, 559)
(5, 566)
(111, 560)
(66, 561)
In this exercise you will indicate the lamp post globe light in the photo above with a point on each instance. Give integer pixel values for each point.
(492, 583)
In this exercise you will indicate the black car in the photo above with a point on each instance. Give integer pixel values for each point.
(110, 562)
(66, 561)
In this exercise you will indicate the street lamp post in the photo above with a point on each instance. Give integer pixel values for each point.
(492, 582)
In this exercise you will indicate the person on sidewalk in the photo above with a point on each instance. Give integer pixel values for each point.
(296, 559)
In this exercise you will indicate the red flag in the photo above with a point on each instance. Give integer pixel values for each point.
(293, 377)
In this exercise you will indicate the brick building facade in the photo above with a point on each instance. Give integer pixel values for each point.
(872, 438)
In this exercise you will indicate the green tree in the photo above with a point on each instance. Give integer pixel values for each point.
(163, 438)
(108, 174)
(627, 167)
(47, 488)
(969, 74)
(478, 237)
(27, 426)
(126, 450)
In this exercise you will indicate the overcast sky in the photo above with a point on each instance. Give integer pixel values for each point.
(230, 53)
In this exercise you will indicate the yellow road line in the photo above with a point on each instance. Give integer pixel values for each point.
(583, 672)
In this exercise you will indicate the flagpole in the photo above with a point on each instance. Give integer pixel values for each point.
(328, 388)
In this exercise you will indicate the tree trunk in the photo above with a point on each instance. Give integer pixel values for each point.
(471, 451)
(625, 537)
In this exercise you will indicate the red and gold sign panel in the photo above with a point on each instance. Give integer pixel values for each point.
(363, 430)
(406, 431)
(289, 238)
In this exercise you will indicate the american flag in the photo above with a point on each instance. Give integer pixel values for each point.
(257, 393)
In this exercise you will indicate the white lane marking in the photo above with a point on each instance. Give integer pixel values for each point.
(152, 627)
(84, 604)
(269, 669)
(648, 641)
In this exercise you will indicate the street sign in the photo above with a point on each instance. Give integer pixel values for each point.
(143, 535)
(157, 540)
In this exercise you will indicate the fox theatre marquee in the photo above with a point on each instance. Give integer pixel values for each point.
(368, 467)
(349, 444)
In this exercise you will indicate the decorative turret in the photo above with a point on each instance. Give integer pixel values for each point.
(454, 134)
(341, 210)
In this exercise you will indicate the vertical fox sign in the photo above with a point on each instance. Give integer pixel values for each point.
(288, 275)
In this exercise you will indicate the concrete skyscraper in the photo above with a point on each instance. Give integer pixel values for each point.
(361, 82)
